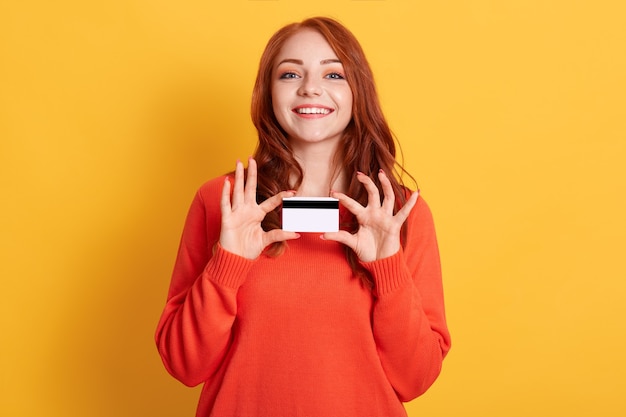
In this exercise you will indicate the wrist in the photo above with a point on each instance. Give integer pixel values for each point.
(227, 268)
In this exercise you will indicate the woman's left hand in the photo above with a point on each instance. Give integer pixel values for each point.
(378, 236)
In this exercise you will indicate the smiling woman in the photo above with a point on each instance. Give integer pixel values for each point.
(311, 98)
(348, 322)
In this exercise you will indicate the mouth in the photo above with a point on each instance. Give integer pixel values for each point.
(312, 110)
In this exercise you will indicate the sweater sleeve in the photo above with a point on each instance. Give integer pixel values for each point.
(409, 322)
(194, 331)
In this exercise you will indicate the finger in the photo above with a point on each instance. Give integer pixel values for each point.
(278, 235)
(352, 205)
(373, 196)
(389, 198)
(251, 182)
(238, 186)
(225, 200)
(274, 201)
(341, 236)
(404, 212)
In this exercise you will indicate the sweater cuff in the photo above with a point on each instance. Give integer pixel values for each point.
(227, 269)
(389, 273)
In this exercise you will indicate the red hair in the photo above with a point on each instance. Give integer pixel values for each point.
(367, 143)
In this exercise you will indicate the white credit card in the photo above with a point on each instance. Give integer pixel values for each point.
(311, 214)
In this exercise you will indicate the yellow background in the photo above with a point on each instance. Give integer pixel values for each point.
(511, 115)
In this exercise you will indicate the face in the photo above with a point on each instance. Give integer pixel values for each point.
(311, 98)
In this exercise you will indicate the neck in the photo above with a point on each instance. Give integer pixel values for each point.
(321, 173)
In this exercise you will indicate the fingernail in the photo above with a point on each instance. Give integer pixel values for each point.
(359, 173)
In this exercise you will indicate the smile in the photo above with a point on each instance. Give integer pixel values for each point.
(312, 110)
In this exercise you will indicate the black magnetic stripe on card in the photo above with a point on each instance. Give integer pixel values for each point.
(310, 204)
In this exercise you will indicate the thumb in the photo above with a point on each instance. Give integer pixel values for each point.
(279, 235)
(342, 237)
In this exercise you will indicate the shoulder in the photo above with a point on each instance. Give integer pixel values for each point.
(204, 213)
(212, 189)
(213, 185)
(420, 222)
(206, 201)
(421, 208)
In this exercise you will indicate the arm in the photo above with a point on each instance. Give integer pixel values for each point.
(194, 333)
(409, 319)
(203, 285)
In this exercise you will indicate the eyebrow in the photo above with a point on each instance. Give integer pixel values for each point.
(300, 62)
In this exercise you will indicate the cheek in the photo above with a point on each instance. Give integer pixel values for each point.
(347, 101)
(345, 98)
(279, 98)
(278, 107)
(276, 100)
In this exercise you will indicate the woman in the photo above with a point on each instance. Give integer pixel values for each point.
(278, 323)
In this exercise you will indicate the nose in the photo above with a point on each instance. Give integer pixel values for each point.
(310, 88)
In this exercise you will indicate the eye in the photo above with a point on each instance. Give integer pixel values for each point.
(288, 75)
(335, 76)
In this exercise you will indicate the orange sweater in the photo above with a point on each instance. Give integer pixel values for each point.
(299, 335)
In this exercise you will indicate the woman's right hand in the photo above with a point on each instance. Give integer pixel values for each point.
(241, 231)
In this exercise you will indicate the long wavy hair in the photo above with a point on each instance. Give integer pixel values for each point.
(367, 144)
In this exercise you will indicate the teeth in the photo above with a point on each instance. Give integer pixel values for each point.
(312, 110)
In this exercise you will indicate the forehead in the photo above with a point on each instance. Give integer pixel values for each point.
(305, 45)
